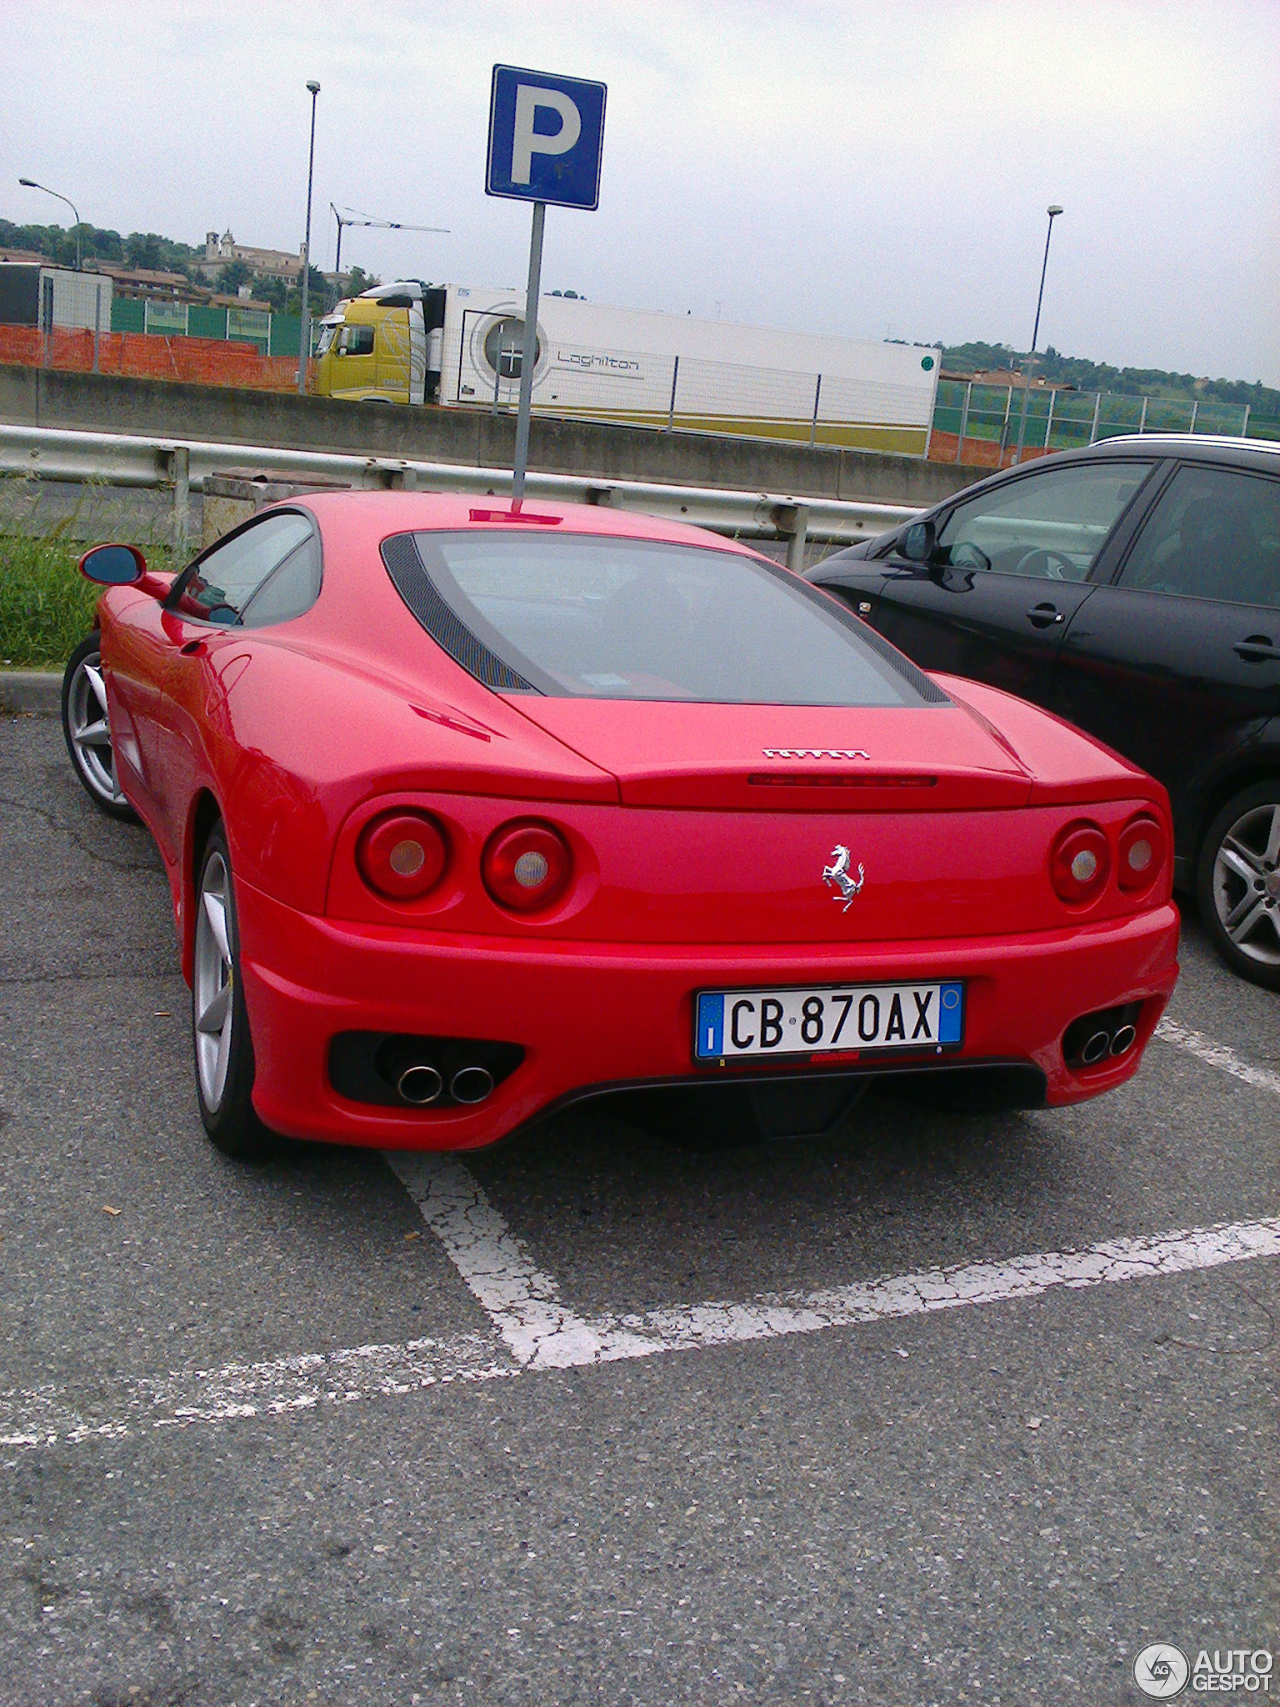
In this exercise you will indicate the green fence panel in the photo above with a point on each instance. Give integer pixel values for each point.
(250, 326)
(286, 334)
(128, 314)
(207, 322)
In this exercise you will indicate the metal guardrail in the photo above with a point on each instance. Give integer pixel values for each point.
(183, 465)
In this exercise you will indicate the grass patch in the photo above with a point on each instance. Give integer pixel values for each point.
(46, 605)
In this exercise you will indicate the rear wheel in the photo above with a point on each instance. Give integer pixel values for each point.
(87, 732)
(219, 1020)
(1238, 883)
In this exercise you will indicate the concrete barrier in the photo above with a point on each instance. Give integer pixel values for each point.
(38, 397)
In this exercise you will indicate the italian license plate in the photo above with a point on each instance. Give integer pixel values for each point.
(738, 1023)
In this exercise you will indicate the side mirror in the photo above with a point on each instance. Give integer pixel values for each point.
(113, 565)
(918, 542)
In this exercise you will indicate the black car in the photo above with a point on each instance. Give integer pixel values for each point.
(1134, 589)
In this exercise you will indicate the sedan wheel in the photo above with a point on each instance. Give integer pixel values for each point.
(1239, 883)
(220, 1022)
(87, 731)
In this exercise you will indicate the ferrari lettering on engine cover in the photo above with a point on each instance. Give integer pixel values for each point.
(815, 753)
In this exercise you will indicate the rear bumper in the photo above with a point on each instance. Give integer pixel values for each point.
(603, 1014)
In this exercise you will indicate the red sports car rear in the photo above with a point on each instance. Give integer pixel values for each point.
(471, 811)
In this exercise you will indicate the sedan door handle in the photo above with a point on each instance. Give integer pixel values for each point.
(1044, 616)
(1257, 649)
(193, 648)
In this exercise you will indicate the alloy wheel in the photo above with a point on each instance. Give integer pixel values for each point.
(213, 986)
(89, 732)
(1246, 884)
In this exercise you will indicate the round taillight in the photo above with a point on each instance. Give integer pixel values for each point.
(526, 866)
(402, 855)
(1141, 854)
(1080, 863)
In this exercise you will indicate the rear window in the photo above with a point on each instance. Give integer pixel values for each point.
(597, 617)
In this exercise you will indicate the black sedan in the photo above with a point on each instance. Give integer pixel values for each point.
(1134, 589)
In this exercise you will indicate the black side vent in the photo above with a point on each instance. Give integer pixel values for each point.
(420, 593)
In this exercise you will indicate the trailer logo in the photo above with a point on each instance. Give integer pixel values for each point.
(596, 359)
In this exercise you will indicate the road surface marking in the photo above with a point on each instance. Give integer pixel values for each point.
(1217, 1055)
(49, 1414)
(523, 1303)
(174, 1400)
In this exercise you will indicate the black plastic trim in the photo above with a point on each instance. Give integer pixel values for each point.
(410, 578)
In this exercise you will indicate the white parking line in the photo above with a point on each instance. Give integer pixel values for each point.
(1217, 1055)
(523, 1303)
(47, 1415)
(287, 1386)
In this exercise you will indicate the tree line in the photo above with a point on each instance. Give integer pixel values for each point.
(1086, 375)
(148, 249)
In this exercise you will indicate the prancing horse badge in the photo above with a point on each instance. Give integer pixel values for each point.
(837, 875)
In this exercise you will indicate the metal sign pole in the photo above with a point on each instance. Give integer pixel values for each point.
(530, 354)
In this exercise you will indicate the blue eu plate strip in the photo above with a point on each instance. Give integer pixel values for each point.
(951, 1013)
(710, 1025)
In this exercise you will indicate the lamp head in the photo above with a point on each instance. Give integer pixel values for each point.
(28, 183)
(1054, 211)
(313, 86)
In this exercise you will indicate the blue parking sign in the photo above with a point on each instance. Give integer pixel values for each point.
(546, 137)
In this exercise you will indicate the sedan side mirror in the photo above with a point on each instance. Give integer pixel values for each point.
(113, 565)
(918, 542)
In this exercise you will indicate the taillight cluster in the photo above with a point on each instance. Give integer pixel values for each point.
(1080, 861)
(403, 854)
(526, 866)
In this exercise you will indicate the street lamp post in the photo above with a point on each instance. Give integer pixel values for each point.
(1053, 213)
(304, 341)
(30, 184)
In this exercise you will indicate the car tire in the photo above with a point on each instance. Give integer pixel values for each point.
(221, 1041)
(87, 733)
(1238, 883)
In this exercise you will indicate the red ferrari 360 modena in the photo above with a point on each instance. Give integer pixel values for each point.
(472, 809)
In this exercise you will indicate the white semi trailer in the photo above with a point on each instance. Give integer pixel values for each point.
(460, 346)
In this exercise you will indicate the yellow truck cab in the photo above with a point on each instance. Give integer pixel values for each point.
(383, 346)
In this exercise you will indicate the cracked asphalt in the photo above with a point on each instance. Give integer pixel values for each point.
(994, 1504)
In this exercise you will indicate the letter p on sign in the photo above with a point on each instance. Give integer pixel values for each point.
(526, 143)
(546, 135)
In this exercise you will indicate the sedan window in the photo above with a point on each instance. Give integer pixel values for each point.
(1215, 534)
(219, 585)
(1050, 525)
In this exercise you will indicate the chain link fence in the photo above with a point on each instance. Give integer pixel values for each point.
(980, 425)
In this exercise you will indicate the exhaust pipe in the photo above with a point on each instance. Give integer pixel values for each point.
(420, 1084)
(1096, 1047)
(471, 1084)
(1123, 1039)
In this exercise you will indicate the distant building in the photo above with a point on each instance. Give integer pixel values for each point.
(220, 252)
(1005, 376)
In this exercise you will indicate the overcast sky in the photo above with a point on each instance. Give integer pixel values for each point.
(869, 169)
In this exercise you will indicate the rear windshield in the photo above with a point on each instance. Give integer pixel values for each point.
(605, 618)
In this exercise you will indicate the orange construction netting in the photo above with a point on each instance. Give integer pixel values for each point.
(978, 453)
(139, 355)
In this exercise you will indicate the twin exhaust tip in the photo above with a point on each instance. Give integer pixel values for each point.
(1099, 1044)
(422, 1084)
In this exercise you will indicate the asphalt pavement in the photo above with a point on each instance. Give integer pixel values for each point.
(594, 1418)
